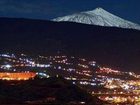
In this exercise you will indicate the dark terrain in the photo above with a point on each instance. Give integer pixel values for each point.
(114, 47)
(52, 91)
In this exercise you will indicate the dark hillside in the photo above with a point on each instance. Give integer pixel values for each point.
(44, 91)
(114, 47)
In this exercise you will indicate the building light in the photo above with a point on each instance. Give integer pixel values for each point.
(8, 66)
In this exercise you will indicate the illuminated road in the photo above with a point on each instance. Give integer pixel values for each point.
(124, 95)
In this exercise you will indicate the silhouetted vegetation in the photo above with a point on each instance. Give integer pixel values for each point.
(44, 91)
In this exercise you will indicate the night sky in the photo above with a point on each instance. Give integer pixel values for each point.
(48, 9)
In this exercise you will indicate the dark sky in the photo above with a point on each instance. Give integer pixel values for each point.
(48, 9)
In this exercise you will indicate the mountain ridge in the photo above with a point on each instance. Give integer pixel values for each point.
(99, 17)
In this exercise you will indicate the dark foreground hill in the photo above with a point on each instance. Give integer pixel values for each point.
(108, 46)
(52, 91)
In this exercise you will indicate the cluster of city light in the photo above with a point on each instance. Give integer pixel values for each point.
(8, 55)
(20, 62)
(84, 66)
(108, 70)
(83, 74)
(130, 100)
(17, 76)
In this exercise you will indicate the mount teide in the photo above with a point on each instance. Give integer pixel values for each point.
(99, 17)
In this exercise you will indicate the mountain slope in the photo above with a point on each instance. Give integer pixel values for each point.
(99, 17)
(115, 47)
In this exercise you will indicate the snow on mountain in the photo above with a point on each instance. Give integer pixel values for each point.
(99, 17)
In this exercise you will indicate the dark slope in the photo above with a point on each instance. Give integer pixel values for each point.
(109, 46)
(39, 91)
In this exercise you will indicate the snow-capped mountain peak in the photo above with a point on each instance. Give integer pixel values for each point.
(99, 17)
(99, 9)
